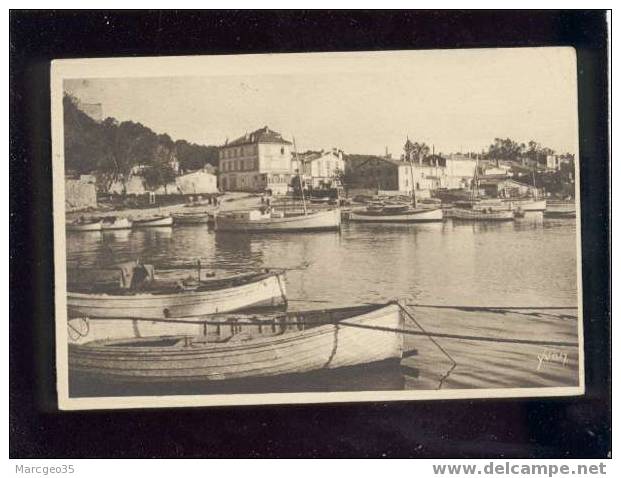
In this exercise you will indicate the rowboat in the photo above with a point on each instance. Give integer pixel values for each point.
(276, 221)
(172, 299)
(116, 223)
(396, 213)
(155, 221)
(84, 226)
(190, 218)
(243, 348)
(481, 214)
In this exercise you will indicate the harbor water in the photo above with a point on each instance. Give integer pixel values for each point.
(530, 262)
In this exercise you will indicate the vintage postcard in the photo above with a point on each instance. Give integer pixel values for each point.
(321, 227)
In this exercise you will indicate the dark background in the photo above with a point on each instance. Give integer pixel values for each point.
(552, 427)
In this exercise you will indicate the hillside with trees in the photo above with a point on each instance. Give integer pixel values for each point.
(110, 149)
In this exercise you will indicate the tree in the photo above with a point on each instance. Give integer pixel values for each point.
(415, 151)
(505, 149)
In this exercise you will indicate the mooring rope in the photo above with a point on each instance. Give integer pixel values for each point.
(454, 362)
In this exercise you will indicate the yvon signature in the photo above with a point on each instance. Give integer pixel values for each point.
(551, 356)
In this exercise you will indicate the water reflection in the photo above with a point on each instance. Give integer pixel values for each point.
(531, 260)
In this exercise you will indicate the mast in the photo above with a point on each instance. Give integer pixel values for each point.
(412, 176)
(475, 181)
(297, 160)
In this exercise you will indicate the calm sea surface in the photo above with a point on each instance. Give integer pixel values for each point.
(529, 262)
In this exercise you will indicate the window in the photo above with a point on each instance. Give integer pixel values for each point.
(282, 150)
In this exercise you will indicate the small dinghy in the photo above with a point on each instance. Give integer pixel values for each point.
(230, 348)
(155, 221)
(84, 226)
(137, 293)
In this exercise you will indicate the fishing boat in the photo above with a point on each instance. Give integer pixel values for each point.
(84, 226)
(154, 221)
(277, 221)
(230, 348)
(183, 219)
(151, 298)
(396, 213)
(480, 209)
(116, 223)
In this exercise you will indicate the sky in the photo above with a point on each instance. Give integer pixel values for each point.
(453, 100)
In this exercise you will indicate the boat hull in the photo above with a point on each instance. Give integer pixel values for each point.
(159, 222)
(329, 220)
(363, 339)
(483, 216)
(190, 219)
(535, 205)
(267, 290)
(421, 215)
(91, 227)
(117, 225)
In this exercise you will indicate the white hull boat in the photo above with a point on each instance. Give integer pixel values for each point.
(208, 297)
(296, 342)
(159, 221)
(408, 215)
(248, 221)
(84, 226)
(116, 224)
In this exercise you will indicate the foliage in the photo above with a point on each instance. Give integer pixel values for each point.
(110, 149)
(415, 151)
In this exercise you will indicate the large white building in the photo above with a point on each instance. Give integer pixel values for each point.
(259, 162)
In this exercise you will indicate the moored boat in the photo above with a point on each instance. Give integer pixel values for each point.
(397, 213)
(116, 223)
(229, 348)
(84, 226)
(527, 205)
(154, 298)
(190, 218)
(155, 221)
(481, 214)
(276, 221)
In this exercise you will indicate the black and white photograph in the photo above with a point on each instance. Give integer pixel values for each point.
(317, 227)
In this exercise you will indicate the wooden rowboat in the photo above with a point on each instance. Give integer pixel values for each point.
(296, 342)
(169, 300)
(397, 214)
(190, 218)
(255, 221)
(84, 226)
(156, 221)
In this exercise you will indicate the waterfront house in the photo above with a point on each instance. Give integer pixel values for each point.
(392, 176)
(320, 169)
(500, 186)
(256, 162)
(202, 181)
